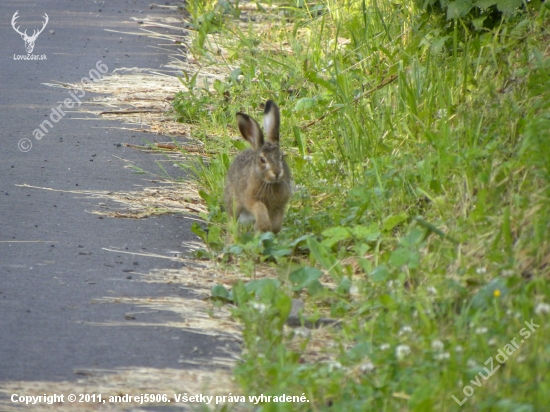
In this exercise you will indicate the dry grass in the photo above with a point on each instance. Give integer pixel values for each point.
(173, 198)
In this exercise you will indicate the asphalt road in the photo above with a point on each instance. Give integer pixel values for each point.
(47, 288)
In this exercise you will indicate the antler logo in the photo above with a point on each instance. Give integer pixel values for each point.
(29, 40)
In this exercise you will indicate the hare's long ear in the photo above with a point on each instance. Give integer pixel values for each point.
(250, 130)
(272, 121)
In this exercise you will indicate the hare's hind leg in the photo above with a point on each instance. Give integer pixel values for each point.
(232, 207)
(263, 222)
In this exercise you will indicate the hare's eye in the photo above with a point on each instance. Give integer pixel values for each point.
(262, 160)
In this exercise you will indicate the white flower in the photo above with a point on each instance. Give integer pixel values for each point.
(508, 272)
(260, 307)
(542, 308)
(240, 77)
(405, 329)
(323, 181)
(367, 367)
(441, 113)
(437, 345)
(481, 330)
(332, 161)
(401, 351)
(458, 348)
(384, 346)
(481, 271)
(492, 342)
(471, 363)
(308, 158)
(431, 290)
(442, 356)
(334, 365)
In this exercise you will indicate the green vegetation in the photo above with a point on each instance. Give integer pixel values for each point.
(418, 134)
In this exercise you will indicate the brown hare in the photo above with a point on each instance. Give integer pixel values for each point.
(258, 184)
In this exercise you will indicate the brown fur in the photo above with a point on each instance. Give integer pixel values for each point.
(256, 187)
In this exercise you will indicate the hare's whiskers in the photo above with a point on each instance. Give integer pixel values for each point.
(265, 191)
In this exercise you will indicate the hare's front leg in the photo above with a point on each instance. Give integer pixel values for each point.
(277, 217)
(263, 222)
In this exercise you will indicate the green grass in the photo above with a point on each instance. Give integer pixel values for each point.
(423, 195)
